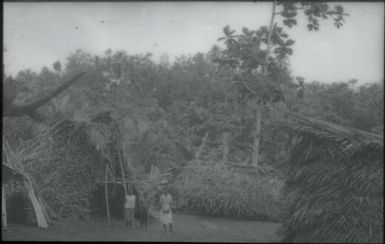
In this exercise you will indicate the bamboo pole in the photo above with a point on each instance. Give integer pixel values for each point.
(107, 205)
(3, 207)
(122, 169)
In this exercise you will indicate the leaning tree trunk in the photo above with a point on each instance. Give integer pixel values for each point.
(257, 133)
(39, 212)
(38, 207)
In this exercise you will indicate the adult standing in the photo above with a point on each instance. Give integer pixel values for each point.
(165, 215)
(129, 207)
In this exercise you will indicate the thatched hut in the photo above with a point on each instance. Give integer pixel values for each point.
(82, 165)
(8, 174)
(334, 184)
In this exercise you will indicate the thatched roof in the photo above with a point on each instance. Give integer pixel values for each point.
(71, 158)
(350, 138)
(334, 184)
(10, 173)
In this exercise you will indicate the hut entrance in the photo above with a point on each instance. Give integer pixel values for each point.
(20, 210)
(115, 201)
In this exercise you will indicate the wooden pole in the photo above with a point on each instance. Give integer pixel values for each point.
(3, 207)
(122, 169)
(106, 184)
(257, 137)
(225, 141)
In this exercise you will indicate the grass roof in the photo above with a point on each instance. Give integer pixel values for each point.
(334, 185)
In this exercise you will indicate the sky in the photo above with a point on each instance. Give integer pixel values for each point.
(38, 34)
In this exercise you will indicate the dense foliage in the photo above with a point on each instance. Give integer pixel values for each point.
(158, 103)
(159, 106)
(188, 98)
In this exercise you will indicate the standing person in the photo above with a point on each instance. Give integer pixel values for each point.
(129, 207)
(143, 209)
(165, 210)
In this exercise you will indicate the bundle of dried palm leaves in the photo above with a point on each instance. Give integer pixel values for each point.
(334, 185)
(217, 189)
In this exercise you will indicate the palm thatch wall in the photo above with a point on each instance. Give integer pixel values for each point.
(66, 163)
(334, 185)
(70, 160)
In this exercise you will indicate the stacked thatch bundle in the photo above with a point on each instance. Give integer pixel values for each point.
(64, 165)
(217, 189)
(334, 184)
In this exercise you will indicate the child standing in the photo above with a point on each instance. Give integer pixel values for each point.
(129, 207)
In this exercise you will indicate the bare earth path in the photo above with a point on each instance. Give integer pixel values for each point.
(187, 228)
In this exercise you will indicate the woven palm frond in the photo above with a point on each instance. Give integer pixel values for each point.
(349, 137)
(334, 184)
(217, 189)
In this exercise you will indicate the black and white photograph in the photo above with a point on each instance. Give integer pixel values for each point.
(193, 121)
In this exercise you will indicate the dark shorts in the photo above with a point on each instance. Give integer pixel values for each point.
(143, 215)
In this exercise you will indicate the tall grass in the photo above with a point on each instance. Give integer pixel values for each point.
(215, 189)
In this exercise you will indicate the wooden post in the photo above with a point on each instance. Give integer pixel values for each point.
(122, 169)
(225, 141)
(3, 207)
(106, 184)
(257, 137)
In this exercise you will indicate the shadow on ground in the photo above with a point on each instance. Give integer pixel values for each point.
(186, 228)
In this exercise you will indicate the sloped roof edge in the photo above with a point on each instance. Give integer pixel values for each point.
(320, 128)
(9, 172)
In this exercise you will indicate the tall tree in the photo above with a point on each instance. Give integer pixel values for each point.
(260, 57)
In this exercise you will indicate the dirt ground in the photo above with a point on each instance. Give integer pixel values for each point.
(186, 228)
